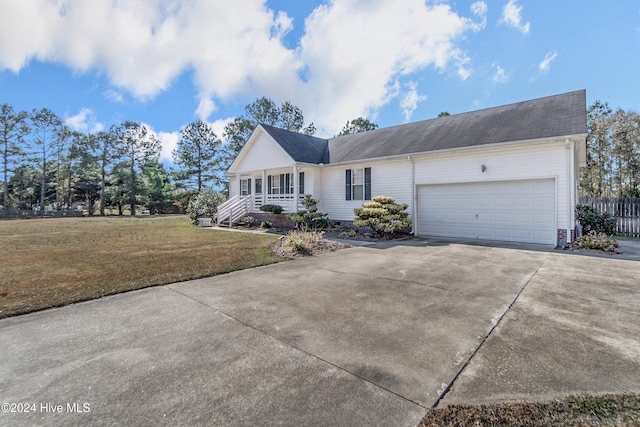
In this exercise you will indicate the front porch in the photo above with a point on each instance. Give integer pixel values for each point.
(287, 201)
(238, 206)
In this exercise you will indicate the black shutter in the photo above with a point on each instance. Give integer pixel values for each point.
(269, 184)
(347, 185)
(367, 183)
(301, 183)
(282, 183)
(249, 186)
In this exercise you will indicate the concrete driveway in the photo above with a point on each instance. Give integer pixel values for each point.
(364, 336)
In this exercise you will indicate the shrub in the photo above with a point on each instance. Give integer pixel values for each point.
(205, 205)
(265, 224)
(595, 240)
(384, 216)
(247, 220)
(323, 223)
(300, 241)
(592, 219)
(276, 209)
(309, 218)
(350, 233)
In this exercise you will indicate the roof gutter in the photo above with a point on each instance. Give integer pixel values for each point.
(538, 141)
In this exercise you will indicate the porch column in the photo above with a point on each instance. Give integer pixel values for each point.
(296, 188)
(265, 190)
(238, 185)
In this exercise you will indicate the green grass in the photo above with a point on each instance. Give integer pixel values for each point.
(629, 239)
(56, 261)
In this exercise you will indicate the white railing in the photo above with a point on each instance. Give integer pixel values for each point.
(257, 202)
(287, 201)
(233, 209)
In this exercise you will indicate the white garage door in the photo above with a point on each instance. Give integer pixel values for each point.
(517, 211)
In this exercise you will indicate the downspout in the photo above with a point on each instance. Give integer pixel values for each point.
(572, 177)
(413, 196)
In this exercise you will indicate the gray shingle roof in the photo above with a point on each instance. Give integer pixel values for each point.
(553, 116)
(302, 148)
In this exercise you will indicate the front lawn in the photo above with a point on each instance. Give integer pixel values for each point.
(56, 261)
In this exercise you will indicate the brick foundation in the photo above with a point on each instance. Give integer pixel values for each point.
(562, 237)
(276, 220)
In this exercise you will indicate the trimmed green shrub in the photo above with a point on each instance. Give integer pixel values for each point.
(592, 219)
(384, 216)
(276, 209)
(265, 224)
(309, 218)
(350, 233)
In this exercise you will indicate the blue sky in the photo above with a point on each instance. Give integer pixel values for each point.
(169, 62)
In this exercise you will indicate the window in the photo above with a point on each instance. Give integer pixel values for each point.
(358, 184)
(283, 184)
(274, 184)
(245, 187)
(301, 183)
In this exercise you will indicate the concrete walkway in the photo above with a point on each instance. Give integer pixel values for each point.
(364, 336)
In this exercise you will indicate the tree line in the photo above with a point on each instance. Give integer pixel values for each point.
(44, 165)
(613, 153)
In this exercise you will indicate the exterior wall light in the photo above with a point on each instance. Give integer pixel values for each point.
(484, 168)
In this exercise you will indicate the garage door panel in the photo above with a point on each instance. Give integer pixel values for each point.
(512, 210)
(543, 202)
(543, 219)
(503, 202)
(522, 202)
(503, 233)
(523, 234)
(503, 217)
(522, 218)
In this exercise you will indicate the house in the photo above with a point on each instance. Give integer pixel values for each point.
(507, 173)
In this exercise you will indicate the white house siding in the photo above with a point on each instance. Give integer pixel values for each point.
(388, 178)
(532, 161)
(311, 181)
(264, 154)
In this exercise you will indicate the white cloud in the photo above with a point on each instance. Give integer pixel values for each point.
(114, 95)
(218, 126)
(205, 107)
(479, 9)
(500, 75)
(546, 62)
(356, 49)
(346, 65)
(169, 142)
(410, 100)
(511, 16)
(85, 121)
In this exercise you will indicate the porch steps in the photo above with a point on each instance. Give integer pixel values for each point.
(233, 209)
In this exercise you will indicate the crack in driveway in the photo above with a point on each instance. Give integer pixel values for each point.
(486, 337)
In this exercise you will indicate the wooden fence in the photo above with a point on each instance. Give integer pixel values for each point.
(625, 209)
